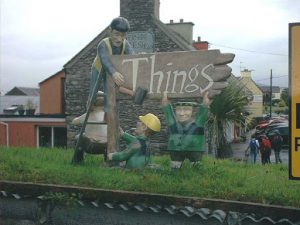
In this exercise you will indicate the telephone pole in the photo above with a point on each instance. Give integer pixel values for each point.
(271, 94)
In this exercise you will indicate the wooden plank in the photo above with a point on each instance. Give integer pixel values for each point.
(112, 117)
(182, 74)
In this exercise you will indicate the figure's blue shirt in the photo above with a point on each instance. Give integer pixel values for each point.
(102, 64)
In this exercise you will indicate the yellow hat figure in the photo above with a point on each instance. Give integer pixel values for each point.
(151, 121)
(137, 152)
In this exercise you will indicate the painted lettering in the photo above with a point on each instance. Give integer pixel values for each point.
(192, 75)
(169, 75)
(177, 82)
(176, 75)
(206, 76)
(135, 67)
(160, 75)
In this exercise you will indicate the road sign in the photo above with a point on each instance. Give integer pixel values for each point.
(294, 80)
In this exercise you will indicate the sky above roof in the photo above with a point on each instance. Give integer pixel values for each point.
(39, 37)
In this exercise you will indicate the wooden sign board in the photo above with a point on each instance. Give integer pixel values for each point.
(294, 79)
(182, 74)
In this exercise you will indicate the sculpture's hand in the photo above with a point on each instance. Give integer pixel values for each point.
(118, 78)
(206, 100)
(109, 156)
(164, 100)
(121, 131)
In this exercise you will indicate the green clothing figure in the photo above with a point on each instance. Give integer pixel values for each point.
(186, 133)
(137, 154)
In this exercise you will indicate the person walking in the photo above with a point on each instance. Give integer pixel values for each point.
(253, 146)
(265, 149)
(276, 145)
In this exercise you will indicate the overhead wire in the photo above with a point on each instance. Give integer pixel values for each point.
(247, 50)
(272, 78)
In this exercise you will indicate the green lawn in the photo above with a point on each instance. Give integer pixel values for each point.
(223, 179)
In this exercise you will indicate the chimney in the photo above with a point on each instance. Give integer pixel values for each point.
(140, 10)
(185, 29)
(246, 73)
(201, 45)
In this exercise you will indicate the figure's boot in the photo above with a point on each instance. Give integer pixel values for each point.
(78, 156)
(176, 165)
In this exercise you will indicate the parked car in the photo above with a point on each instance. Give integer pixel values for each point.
(271, 126)
(265, 126)
(284, 132)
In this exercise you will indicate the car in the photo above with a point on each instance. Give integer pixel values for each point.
(284, 132)
(274, 125)
(267, 128)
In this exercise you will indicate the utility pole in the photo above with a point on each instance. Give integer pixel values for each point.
(271, 94)
(241, 66)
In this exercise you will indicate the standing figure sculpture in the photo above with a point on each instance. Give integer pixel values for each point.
(115, 44)
(102, 68)
(186, 131)
(137, 154)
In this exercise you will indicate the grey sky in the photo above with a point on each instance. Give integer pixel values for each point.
(39, 36)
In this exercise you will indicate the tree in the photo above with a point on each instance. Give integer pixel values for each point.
(285, 96)
(227, 107)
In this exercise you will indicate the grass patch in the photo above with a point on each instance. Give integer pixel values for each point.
(213, 178)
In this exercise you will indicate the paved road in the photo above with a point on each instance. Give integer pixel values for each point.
(239, 151)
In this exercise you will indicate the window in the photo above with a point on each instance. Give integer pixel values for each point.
(50, 137)
(60, 137)
(44, 136)
(257, 98)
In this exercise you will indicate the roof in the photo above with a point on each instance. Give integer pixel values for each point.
(8, 101)
(265, 89)
(27, 91)
(48, 78)
(240, 84)
(174, 36)
(249, 79)
(90, 45)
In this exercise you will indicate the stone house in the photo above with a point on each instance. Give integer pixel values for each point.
(147, 34)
